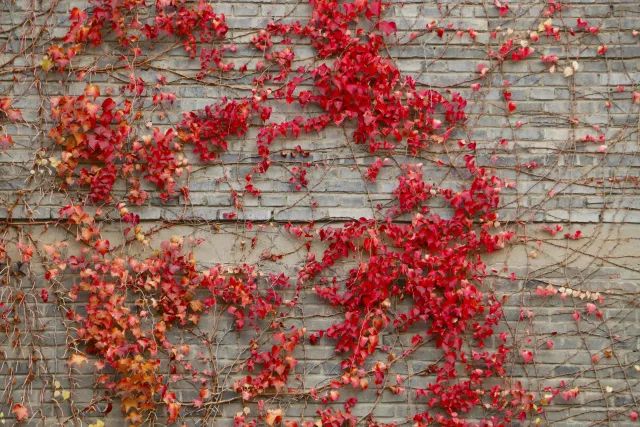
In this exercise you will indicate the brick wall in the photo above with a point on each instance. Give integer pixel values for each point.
(559, 179)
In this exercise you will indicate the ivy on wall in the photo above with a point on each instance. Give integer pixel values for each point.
(412, 271)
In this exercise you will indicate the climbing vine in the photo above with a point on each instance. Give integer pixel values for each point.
(150, 317)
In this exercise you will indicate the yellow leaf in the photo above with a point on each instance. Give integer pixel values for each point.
(54, 162)
(66, 394)
(568, 71)
(46, 63)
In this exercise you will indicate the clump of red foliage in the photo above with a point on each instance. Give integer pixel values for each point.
(432, 266)
(95, 140)
(413, 256)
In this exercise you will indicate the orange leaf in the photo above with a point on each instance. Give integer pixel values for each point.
(128, 403)
(274, 416)
(77, 359)
(196, 305)
(174, 411)
(20, 411)
(134, 418)
(92, 91)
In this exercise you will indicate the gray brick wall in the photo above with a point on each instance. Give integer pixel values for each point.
(573, 185)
